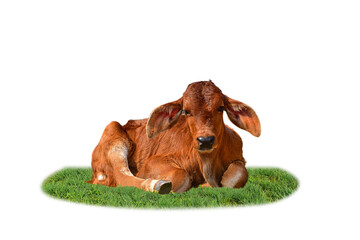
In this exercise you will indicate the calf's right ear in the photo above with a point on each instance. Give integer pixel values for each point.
(163, 117)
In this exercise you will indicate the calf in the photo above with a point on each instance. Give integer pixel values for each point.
(196, 148)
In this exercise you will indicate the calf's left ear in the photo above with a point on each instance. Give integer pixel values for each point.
(163, 117)
(242, 116)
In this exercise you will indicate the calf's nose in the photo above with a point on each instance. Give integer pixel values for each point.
(206, 143)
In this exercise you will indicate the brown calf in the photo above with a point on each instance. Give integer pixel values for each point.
(197, 148)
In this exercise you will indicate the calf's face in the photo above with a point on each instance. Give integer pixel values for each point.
(202, 105)
(203, 108)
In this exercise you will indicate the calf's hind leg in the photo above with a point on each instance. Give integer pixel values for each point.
(110, 162)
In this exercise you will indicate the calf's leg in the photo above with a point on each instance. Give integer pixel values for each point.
(235, 175)
(110, 162)
(162, 167)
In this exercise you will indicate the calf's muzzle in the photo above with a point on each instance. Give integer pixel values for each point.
(205, 143)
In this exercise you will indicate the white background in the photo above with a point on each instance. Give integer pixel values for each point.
(68, 68)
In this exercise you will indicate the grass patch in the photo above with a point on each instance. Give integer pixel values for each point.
(265, 185)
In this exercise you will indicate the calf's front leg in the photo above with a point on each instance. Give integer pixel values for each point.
(235, 175)
(163, 167)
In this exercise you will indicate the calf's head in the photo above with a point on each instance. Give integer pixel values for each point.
(202, 105)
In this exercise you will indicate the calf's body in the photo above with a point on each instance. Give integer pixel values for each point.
(183, 144)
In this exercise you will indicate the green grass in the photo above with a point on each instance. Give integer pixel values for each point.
(265, 185)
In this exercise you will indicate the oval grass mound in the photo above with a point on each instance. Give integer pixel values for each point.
(265, 185)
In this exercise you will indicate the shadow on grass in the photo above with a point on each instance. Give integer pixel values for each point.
(265, 185)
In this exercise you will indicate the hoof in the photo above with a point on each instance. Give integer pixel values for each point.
(163, 187)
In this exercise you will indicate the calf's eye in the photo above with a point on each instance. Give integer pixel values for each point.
(186, 113)
(221, 109)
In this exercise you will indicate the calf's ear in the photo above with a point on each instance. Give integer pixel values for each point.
(163, 117)
(242, 116)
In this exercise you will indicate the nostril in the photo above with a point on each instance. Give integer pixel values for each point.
(206, 142)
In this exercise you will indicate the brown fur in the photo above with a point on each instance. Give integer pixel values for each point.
(165, 146)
